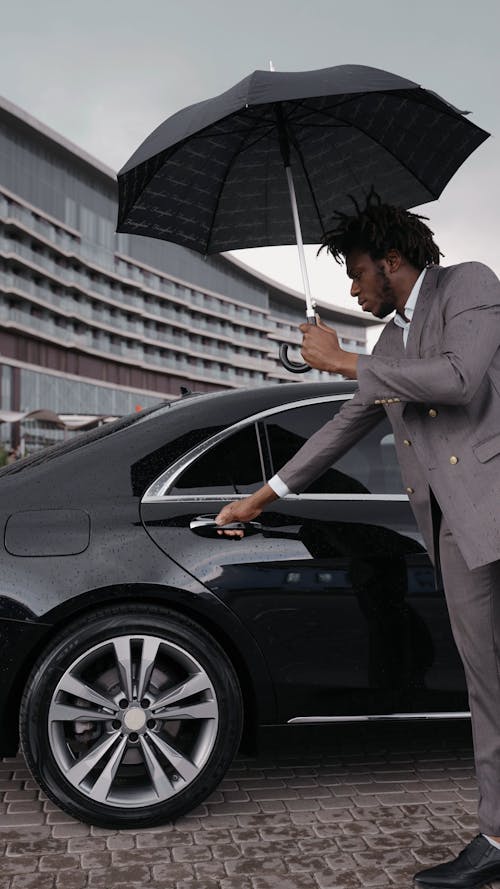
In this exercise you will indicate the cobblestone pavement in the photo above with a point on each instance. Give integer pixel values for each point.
(364, 805)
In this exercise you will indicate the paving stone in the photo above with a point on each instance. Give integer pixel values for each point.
(23, 795)
(146, 840)
(55, 863)
(122, 841)
(283, 848)
(216, 836)
(247, 835)
(255, 866)
(351, 844)
(314, 863)
(303, 818)
(360, 828)
(274, 793)
(340, 878)
(191, 853)
(58, 817)
(87, 844)
(104, 878)
(28, 806)
(95, 859)
(32, 881)
(70, 829)
(127, 857)
(220, 822)
(428, 856)
(214, 870)
(173, 872)
(71, 879)
(42, 846)
(25, 818)
(374, 876)
(282, 832)
(392, 841)
(235, 883)
(18, 865)
(203, 883)
(383, 858)
(277, 881)
(318, 844)
(225, 851)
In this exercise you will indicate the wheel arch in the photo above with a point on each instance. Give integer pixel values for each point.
(257, 689)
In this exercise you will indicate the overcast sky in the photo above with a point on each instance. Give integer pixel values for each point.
(104, 74)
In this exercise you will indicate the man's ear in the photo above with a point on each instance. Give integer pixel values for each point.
(393, 259)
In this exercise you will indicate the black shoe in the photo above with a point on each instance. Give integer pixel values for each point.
(477, 864)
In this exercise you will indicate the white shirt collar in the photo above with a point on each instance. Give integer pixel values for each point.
(410, 302)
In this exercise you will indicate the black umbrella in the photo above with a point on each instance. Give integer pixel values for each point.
(222, 174)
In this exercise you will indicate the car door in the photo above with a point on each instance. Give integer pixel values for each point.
(336, 586)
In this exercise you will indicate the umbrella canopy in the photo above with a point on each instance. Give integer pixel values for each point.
(212, 177)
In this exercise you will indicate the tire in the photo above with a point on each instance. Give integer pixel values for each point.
(131, 717)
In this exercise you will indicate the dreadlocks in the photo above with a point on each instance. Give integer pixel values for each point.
(379, 228)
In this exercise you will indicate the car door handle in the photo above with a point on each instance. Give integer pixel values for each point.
(205, 526)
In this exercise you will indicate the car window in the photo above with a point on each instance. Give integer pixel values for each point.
(233, 466)
(370, 466)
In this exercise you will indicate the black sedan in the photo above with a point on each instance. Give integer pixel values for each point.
(139, 646)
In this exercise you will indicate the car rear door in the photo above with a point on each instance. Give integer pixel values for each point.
(337, 588)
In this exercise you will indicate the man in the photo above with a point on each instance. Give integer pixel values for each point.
(435, 370)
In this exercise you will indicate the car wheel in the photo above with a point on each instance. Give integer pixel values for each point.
(131, 717)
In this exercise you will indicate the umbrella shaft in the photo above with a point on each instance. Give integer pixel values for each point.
(300, 244)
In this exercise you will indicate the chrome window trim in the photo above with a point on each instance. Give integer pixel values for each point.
(302, 720)
(156, 491)
(158, 488)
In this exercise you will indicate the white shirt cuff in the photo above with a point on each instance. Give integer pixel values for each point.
(279, 486)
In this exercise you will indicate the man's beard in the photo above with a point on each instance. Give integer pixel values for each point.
(388, 303)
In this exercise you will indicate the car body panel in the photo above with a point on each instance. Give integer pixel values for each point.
(289, 605)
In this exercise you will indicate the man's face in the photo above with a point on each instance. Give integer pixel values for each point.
(371, 284)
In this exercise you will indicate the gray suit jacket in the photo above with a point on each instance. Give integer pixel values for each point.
(443, 395)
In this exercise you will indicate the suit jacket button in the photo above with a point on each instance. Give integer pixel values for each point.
(410, 490)
(453, 460)
(433, 412)
(407, 442)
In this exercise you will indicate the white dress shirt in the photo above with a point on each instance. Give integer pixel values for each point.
(279, 487)
(409, 308)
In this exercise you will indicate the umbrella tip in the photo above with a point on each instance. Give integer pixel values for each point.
(271, 66)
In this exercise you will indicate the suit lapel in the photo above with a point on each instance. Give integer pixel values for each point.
(424, 302)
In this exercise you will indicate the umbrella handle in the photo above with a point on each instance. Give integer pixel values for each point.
(295, 367)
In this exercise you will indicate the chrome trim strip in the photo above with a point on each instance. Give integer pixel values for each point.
(302, 720)
(167, 478)
(347, 497)
(225, 497)
(194, 498)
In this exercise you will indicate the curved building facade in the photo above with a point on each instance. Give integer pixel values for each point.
(92, 322)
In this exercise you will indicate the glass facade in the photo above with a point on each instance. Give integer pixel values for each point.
(98, 322)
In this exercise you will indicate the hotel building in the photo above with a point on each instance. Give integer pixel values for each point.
(96, 323)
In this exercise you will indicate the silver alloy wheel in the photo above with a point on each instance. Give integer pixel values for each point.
(133, 721)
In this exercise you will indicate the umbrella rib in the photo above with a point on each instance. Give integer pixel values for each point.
(421, 99)
(360, 128)
(210, 134)
(384, 147)
(407, 166)
(238, 151)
